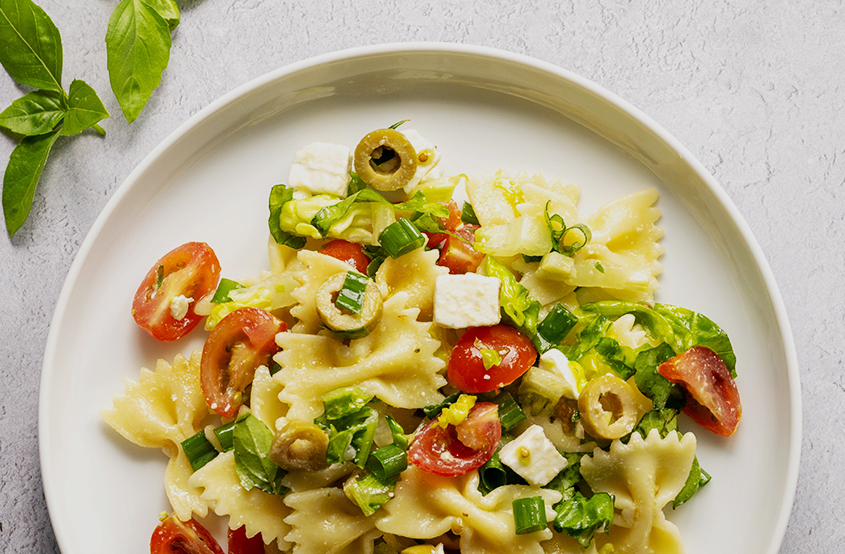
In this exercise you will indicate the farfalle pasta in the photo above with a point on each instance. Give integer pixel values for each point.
(492, 377)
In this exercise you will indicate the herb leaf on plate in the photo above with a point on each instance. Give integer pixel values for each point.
(85, 109)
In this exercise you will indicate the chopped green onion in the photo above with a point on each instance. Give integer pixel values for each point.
(351, 295)
(531, 259)
(401, 237)
(387, 461)
(226, 286)
(599, 267)
(224, 435)
(434, 410)
(557, 324)
(275, 368)
(468, 215)
(198, 450)
(510, 414)
(398, 123)
(529, 514)
(576, 246)
(400, 439)
(492, 475)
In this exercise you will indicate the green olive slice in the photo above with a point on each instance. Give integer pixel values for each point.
(342, 322)
(608, 407)
(385, 160)
(300, 446)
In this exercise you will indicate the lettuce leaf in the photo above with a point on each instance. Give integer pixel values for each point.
(580, 517)
(693, 329)
(350, 424)
(518, 308)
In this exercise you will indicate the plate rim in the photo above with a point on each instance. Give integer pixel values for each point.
(773, 292)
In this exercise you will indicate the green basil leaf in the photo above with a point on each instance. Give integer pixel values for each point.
(662, 392)
(565, 481)
(138, 49)
(279, 196)
(35, 113)
(168, 10)
(252, 439)
(84, 108)
(22, 174)
(30, 45)
(696, 479)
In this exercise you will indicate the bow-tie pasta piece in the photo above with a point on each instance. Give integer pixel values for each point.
(643, 476)
(426, 506)
(324, 521)
(396, 363)
(259, 511)
(163, 408)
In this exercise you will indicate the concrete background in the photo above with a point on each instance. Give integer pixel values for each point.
(754, 90)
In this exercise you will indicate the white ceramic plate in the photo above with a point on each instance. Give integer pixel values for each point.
(485, 109)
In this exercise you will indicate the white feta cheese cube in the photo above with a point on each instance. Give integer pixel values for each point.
(556, 362)
(533, 457)
(427, 158)
(179, 307)
(321, 168)
(469, 300)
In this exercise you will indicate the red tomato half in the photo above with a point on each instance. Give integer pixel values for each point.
(189, 537)
(192, 271)
(239, 544)
(466, 365)
(442, 452)
(242, 341)
(712, 396)
(349, 252)
(459, 256)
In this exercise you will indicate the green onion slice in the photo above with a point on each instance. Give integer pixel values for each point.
(468, 215)
(575, 246)
(226, 286)
(557, 324)
(387, 461)
(398, 123)
(224, 435)
(198, 450)
(529, 514)
(351, 295)
(401, 237)
(510, 414)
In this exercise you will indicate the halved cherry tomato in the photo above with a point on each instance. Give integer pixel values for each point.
(349, 252)
(239, 544)
(712, 397)
(466, 365)
(459, 256)
(192, 271)
(242, 341)
(446, 452)
(189, 537)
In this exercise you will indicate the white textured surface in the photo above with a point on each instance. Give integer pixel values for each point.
(754, 92)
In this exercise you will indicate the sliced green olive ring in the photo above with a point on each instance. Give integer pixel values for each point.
(608, 407)
(344, 322)
(300, 446)
(385, 160)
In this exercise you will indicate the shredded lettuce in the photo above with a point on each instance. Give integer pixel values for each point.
(350, 424)
(369, 493)
(270, 294)
(518, 308)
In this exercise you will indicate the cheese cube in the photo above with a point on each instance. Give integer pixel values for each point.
(469, 300)
(321, 168)
(556, 362)
(533, 457)
(427, 158)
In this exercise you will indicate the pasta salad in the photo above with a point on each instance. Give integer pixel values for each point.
(413, 376)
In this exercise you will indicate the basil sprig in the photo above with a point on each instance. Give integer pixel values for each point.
(252, 440)
(138, 50)
(31, 51)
